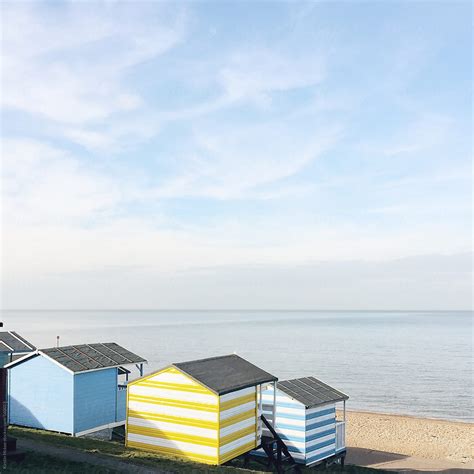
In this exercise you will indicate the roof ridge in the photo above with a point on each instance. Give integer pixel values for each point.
(209, 358)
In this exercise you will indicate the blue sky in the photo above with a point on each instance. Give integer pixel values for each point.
(236, 155)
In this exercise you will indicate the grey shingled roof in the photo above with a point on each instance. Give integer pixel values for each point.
(310, 391)
(225, 374)
(12, 342)
(84, 357)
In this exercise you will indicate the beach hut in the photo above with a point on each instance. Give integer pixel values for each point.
(13, 346)
(203, 410)
(70, 389)
(306, 419)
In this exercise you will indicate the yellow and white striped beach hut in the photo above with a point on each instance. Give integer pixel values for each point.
(204, 410)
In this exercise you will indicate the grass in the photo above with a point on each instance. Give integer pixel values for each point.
(119, 451)
(42, 464)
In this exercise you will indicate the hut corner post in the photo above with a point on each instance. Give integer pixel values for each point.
(274, 404)
(3, 415)
(344, 411)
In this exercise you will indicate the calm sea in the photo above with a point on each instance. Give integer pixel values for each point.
(417, 363)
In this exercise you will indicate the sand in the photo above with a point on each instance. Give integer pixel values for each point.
(443, 444)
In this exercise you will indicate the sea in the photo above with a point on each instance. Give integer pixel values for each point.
(402, 362)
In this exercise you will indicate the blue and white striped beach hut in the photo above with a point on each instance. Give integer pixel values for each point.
(306, 419)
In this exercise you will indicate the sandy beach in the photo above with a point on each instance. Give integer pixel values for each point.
(408, 443)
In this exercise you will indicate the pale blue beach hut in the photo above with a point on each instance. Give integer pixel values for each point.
(13, 346)
(70, 389)
(306, 419)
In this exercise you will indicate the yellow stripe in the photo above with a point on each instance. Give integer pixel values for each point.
(173, 419)
(256, 414)
(127, 410)
(148, 376)
(176, 386)
(174, 403)
(218, 428)
(236, 418)
(238, 434)
(157, 433)
(175, 452)
(236, 452)
(237, 401)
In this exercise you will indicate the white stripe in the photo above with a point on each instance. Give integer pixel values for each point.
(237, 427)
(173, 394)
(312, 421)
(237, 394)
(289, 433)
(172, 411)
(298, 411)
(169, 377)
(173, 427)
(268, 399)
(167, 443)
(237, 410)
(320, 440)
(237, 443)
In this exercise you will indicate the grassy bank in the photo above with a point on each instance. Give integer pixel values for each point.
(120, 452)
(42, 464)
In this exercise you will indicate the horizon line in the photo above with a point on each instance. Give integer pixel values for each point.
(300, 310)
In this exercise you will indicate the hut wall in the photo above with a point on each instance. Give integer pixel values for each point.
(290, 421)
(320, 433)
(310, 434)
(170, 413)
(95, 399)
(121, 404)
(238, 426)
(41, 395)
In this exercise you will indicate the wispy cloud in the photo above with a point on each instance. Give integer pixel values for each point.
(67, 64)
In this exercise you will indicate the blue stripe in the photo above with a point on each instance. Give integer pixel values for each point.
(320, 456)
(320, 445)
(321, 423)
(320, 435)
(293, 449)
(320, 413)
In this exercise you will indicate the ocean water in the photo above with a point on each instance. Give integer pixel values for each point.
(415, 363)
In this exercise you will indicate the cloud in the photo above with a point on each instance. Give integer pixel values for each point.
(245, 163)
(44, 184)
(422, 282)
(67, 63)
(254, 74)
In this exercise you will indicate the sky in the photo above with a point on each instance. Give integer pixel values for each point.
(264, 155)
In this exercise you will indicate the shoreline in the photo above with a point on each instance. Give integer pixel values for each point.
(404, 415)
